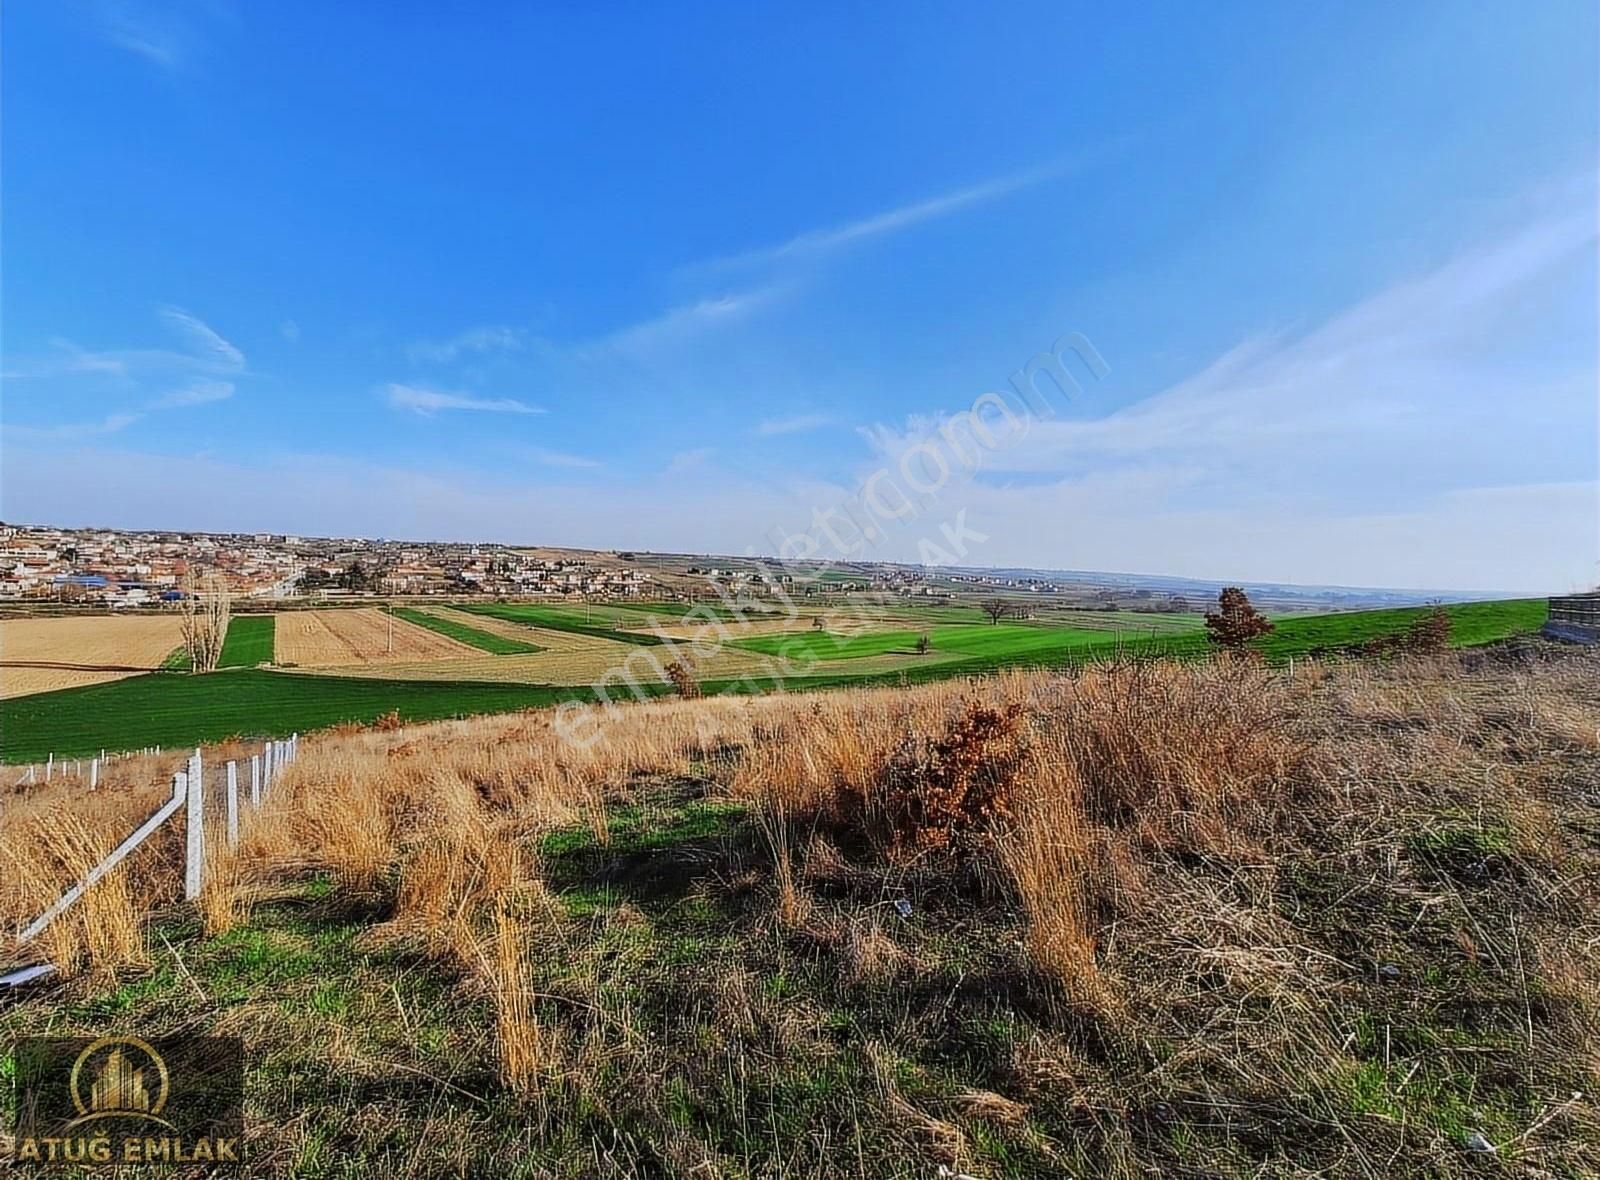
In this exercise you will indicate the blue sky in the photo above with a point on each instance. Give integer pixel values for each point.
(676, 277)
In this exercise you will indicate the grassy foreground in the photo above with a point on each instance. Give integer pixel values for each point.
(1338, 927)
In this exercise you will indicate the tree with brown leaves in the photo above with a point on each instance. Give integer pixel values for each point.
(683, 680)
(1235, 622)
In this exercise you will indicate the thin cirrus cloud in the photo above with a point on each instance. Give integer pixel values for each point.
(171, 36)
(492, 338)
(890, 221)
(548, 458)
(427, 402)
(689, 460)
(682, 323)
(200, 392)
(688, 320)
(205, 343)
(799, 424)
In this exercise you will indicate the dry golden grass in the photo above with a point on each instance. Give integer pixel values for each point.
(1179, 884)
(357, 638)
(42, 655)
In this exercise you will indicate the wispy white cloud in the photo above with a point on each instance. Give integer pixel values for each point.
(474, 340)
(171, 36)
(548, 458)
(431, 401)
(199, 392)
(290, 331)
(204, 341)
(1367, 450)
(110, 424)
(799, 424)
(680, 324)
(689, 460)
(890, 221)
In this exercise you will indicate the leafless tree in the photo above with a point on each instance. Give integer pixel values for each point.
(995, 608)
(206, 611)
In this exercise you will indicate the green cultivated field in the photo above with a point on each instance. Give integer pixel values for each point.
(249, 641)
(497, 645)
(179, 710)
(977, 641)
(1472, 624)
(602, 622)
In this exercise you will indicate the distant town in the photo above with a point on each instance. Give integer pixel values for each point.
(101, 568)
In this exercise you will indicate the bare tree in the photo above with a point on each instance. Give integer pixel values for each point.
(995, 608)
(206, 611)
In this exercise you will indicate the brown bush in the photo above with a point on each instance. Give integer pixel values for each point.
(948, 794)
(683, 680)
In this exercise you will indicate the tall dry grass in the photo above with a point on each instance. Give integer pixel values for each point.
(1133, 813)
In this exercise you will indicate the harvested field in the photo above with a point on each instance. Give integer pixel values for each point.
(569, 658)
(42, 655)
(359, 638)
(581, 662)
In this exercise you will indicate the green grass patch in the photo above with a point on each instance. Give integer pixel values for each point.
(497, 645)
(249, 641)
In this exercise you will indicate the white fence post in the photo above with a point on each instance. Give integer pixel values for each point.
(233, 805)
(266, 766)
(195, 836)
(94, 774)
(50, 768)
(109, 863)
(255, 780)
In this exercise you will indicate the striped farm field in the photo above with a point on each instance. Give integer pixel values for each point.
(359, 638)
(598, 622)
(249, 641)
(43, 655)
(489, 641)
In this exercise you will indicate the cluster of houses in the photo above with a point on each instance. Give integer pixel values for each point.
(109, 568)
(471, 569)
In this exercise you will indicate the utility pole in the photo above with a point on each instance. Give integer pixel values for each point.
(391, 628)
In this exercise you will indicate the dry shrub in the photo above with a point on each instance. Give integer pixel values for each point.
(388, 722)
(1188, 755)
(949, 794)
(683, 680)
